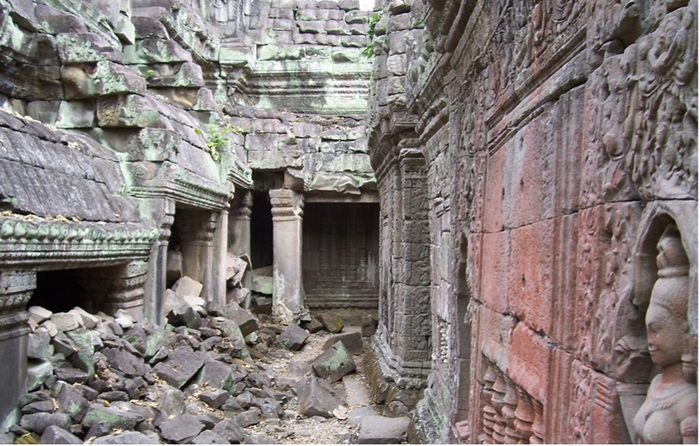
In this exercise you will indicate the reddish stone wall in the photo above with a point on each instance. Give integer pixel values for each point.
(559, 139)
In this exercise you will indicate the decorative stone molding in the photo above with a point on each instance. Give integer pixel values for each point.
(16, 288)
(116, 287)
(32, 240)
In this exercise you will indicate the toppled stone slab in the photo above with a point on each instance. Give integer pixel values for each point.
(209, 437)
(214, 398)
(332, 322)
(129, 437)
(262, 280)
(186, 286)
(181, 429)
(383, 430)
(127, 363)
(316, 398)
(334, 363)
(58, 435)
(65, 321)
(38, 422)
(229, 431)
(182, 364)
(246, 320)
(71, 401)
(39, 314)
(352, 342)
(114, 418)
(293, 337)
(369, 325)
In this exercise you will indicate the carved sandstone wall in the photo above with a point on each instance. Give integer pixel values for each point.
(551, 143)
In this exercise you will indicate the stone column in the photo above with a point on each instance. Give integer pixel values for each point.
(219, 261)
(16, 289)
(239, 224)
(154, 288)
(239, 228)
(196, 229)
(288, 293)
(113, 288)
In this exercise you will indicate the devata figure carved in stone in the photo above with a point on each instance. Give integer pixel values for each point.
(669, 414)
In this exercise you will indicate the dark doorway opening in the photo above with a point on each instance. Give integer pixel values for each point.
(58, 291)
(261, 230)
(340, 256)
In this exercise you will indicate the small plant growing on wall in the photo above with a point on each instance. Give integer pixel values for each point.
(216, 138)
(373, 19)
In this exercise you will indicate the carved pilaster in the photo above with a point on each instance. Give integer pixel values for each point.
(287, 211)
(16, 289)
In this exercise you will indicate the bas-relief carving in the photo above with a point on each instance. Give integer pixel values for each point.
(643, 109)
(669, 413)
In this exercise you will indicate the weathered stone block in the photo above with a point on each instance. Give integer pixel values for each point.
(334, 363)
(181, 429)
(38, 373)
(38, 422)
(182, 364)
(70, 401)
(187, 287)
(316, 398)
(106, 78)
(39, 345)
(151, 50)
(76, 48)
(113, 417)
(65, 321)
(58, 435)
(352, 342)
(128, 111)
(383, 430)
(293, 337)
(332, 322)
(230, 431)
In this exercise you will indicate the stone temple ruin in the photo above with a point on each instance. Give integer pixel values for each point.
(509, 187)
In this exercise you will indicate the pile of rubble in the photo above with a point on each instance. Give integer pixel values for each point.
(200, 379)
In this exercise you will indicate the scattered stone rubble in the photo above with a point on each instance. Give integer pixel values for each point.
(211, 375)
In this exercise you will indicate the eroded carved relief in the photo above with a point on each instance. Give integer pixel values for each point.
(669, 413)
(509, 415)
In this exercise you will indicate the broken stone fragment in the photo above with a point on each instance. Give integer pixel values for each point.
(58, 435)
(39, 314)
(70, 400)
(209, 437)
(126, 363)
(128, 437)
(186, 315)
(38, 406)
(245, 319)
(352, 342)
(293, 337)
(316, 398)
(38, 373)
(383, 430)
(229, 431)
(214, 398)
(248, 418)
(39, 345)
(38, 422)
(369, 325)
(115, 418)
(218, 375)
(332, 322)
(181, 428)
(182, 364)
(65, 321)
(187, 286)
(334, 363)
(235, 267)
(89, 321)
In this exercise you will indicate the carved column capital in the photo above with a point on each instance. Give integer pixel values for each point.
(286, 203)
(16, 289)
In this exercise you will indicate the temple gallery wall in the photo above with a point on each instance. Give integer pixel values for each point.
(508, 187)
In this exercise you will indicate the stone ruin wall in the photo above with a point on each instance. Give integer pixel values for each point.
(538, 148)
(124, 123)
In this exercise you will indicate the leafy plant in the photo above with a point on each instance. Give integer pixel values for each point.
(216, 139)
(373, 20)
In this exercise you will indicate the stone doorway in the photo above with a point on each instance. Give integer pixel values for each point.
(261, 230)
(340, 257)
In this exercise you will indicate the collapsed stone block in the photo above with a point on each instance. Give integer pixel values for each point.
(316, 398)
(293, 337)
(182, 364)
(332, 322)
(58, 435)
(383, 430)
(114, 418)
(352, 342)
(334, 363)
(181, 429)
(187, 286)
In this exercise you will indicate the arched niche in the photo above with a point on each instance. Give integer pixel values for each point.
(633, 368)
